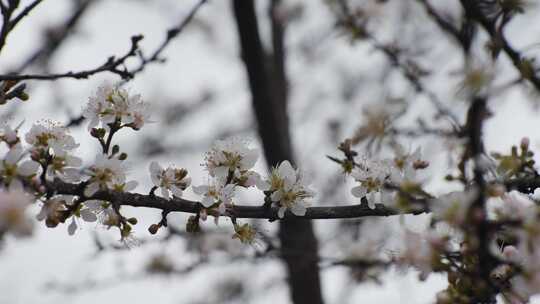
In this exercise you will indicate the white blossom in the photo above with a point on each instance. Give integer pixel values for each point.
(516, 206)
(65, 166)
(107, 173)
(406, 165)
(52, 143)
(50, 135)
(421, 250)
(232, 157)
(107, 216)
(215, 193)
(289, 188)
(111, 103)
(169, 180)
(453, 207)
(8, 134)
(81, 212)
(373, 176)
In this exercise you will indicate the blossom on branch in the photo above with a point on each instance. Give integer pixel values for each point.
(216, 193)
(170, 180)
(373, 177)
(453, 207)
(107, 174)
(51, 146)
(230, 160)
(113, 104)
(288, 188)
(50, 136)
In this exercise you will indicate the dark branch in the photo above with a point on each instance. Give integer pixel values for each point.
(113, 65)
(238, 211)
(499, 40)
(116, 65)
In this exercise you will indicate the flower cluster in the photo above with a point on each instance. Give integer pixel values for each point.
(288, 189)
(378, 179)
(52, 146)
(230, 161)
(107, 174)
(112, 104)
(423, 251)
(170, 180)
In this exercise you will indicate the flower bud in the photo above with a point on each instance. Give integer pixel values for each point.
(192, 225)
(525, 141)
(153, 229)
(97, 132)
(115, 149)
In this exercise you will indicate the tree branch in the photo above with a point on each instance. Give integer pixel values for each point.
(238, 211)
(498, 38)
(116, 65)
(113, 65)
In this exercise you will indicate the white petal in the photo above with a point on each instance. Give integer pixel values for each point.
(73, 161)
(263, 185)
(281, 212)
(71, 175)
(176, 191)
(130, 185)
(87, 215)
(221, 172)
(14, 154)
(207, 201)
(187, 181)
(359, 191)
(299, 209)
(16, 185)
(91, 189)
(222, 208)
(155, 168)
(72, 227)
(249, 159)
(285, 168)
(164, 192)
(27, 168)
(200, 190)
(276, 196)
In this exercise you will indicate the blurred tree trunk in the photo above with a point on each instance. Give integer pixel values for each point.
(268, 85)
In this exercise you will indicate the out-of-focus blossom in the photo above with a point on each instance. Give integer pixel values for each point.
(453, 207)
(421, 251)
(12, 170)
(13, 219)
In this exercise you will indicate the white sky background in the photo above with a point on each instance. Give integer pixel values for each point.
(205, 58)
